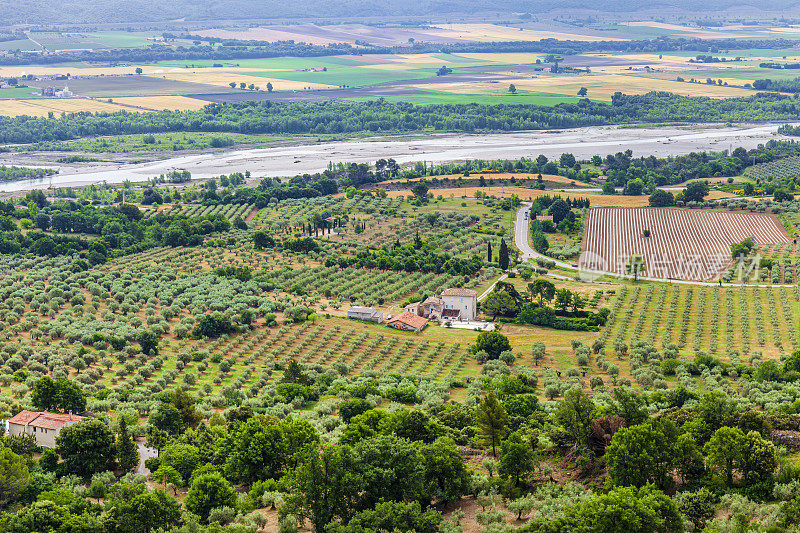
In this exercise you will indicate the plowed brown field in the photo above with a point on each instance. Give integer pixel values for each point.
(683, 243)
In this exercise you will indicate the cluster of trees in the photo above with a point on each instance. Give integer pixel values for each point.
(564, 220)
(668, 456)
(121, 228)
(779, 85)
(376, 116)
(566, 165)
(13, 173)
(644, 174)
(417, 256)
(567, 311)
(694, 191)
(788, 129)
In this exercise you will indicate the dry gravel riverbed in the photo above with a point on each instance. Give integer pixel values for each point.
(292, 160)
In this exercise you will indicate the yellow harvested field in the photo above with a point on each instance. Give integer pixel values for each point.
(40, 107)
(408, 59)
(599, 200)
(497, 176)
(648, 59)
(223, 78)
(518, 58)
(270, 33)
(157, 103)
(700, 33)
(716, 195)
(670, 76)
(41, 70)
(493, 32)
(600, 86)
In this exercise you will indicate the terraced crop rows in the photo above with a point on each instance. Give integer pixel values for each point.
(368, 286)
(231, 211)
(683, 243)
(710, 319)
(788, 167)
(346, 348)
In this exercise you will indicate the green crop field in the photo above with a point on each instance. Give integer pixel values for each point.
(20, 92)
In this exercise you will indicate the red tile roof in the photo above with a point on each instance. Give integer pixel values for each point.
(42, 419)
(409, 319)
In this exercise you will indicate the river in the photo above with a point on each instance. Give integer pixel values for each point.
(284, 161)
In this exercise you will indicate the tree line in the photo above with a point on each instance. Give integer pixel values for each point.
(219, 49)
(381, 116)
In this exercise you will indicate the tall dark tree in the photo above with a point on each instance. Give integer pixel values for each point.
(502, 256)
(127, 452)
(492, 420)
(489, 251)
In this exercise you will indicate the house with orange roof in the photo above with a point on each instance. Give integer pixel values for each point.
(42, 425)
(407, 321)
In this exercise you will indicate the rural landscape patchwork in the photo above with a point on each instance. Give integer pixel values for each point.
(393, 266)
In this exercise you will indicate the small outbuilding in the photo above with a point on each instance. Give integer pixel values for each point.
(407, 321)
(370, 314)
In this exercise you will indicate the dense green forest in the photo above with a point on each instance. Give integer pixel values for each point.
(380, 116)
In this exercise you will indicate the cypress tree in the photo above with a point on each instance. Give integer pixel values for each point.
(489, 251)
(503, 255)
(127, 453)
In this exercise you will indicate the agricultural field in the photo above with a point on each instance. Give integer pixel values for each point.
(475, 78)
(730, 322)
(681, 243)
(779, 170)
(42, 107)
(157, 103)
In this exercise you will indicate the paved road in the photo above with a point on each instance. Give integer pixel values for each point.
(521, 225)
(144, 454)
(521, 238)
(491, 288)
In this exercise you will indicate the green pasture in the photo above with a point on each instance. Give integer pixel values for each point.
(121, 39)
(19, 92)
(285, 63)
(20, 44)
(352, 76)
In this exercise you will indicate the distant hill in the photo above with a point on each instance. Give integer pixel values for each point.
(107, 11)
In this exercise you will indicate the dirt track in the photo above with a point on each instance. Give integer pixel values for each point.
(293, 160)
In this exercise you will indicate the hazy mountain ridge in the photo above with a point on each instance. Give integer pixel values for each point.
(77, 12)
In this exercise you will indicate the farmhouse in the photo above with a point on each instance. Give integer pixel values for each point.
(407, 322)
(44, 426)
(453, 304)
(365, 313)
(432, 307)
(461, 304)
